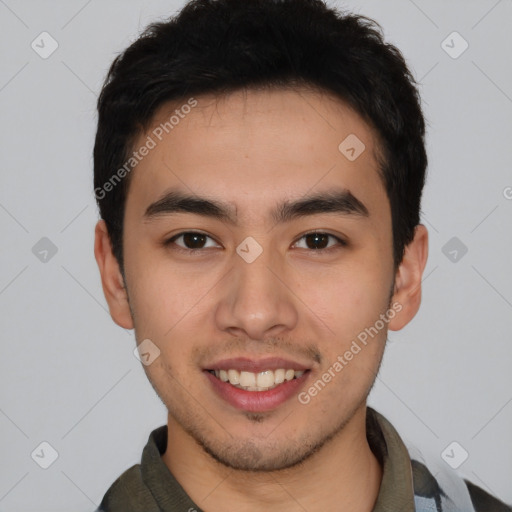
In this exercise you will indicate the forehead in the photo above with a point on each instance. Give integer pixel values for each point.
(254, 146)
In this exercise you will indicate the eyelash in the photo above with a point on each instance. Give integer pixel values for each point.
(171, 241)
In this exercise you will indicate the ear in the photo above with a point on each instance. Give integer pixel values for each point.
(407, 290)
(111, 278)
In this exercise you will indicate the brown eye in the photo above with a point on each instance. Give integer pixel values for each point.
(317, 240)
(191, 241)
(194, 240)
(320, 241)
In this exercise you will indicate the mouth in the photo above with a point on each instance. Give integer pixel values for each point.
(261, 381)
(256, 386)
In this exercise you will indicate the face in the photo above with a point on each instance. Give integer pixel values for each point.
(256, 251)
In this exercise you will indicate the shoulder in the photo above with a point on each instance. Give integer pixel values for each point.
(483, 501)
(128, 493)
(447, 487)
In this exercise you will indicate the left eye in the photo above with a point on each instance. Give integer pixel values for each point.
(320, 241)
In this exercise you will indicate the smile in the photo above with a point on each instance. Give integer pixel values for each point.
(256, 385)
(261, 381)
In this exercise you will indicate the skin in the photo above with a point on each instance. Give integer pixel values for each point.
(253, 150)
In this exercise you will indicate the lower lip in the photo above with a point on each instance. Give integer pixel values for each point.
(257, 401)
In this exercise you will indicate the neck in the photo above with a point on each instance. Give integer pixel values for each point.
(343, 475)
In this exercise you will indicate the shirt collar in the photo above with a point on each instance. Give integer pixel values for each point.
(396, 489)
(166, 490)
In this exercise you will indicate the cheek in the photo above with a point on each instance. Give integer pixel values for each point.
(169, 301)
(157, 297)
(348, 298)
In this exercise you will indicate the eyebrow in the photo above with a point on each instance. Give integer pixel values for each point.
(339, 201)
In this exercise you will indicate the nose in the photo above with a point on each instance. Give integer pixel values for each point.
(257, 301)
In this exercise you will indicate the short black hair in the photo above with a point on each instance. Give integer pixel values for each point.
(221, 46)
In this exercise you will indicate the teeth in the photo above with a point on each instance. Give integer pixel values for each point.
(279, 376)
(234, 377)
(265, 379)
(247, 379)
(261, 381)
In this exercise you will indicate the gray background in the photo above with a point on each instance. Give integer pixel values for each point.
(68, 373)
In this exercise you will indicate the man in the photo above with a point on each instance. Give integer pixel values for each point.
(259, 169)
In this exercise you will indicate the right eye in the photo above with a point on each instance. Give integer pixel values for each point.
(192, 241)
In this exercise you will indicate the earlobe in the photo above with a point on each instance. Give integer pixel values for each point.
(111, 278)
(407, 291)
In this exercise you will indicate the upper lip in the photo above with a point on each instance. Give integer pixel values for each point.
(256, 366)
